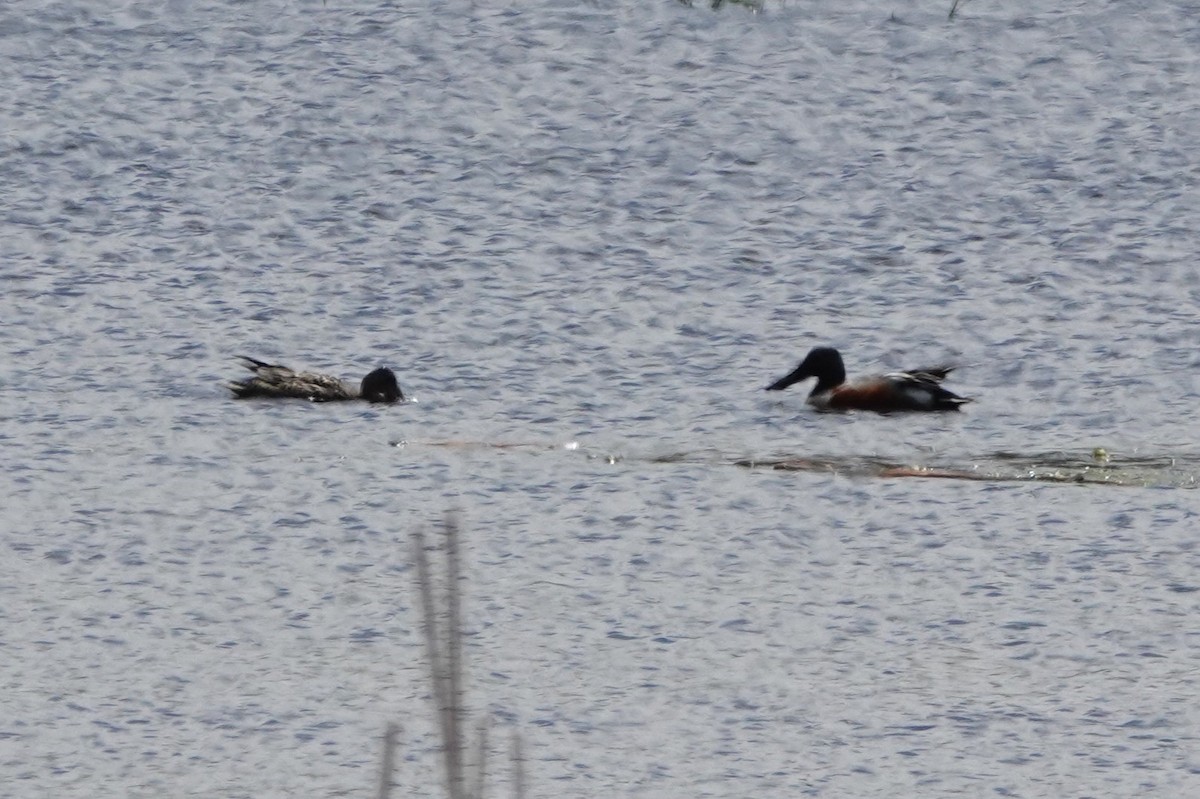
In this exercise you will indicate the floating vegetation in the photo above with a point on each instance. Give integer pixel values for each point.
(753, 5)
(1097, 468)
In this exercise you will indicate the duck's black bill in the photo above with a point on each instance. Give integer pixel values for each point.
(788, 380)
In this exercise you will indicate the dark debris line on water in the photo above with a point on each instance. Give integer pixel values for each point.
(1096, 467)
(1099, 469)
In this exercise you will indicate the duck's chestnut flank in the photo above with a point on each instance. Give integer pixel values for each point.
(917, 390)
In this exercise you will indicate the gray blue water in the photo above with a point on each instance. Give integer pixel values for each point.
(586, 235)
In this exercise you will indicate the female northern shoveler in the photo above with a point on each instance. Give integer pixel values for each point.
(280, 382)
(918, 390)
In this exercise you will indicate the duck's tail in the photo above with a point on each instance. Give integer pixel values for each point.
(254, 364)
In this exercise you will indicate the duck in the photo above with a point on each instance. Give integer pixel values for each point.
(281, 382)
(918, 390)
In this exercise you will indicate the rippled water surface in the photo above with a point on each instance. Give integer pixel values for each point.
(586, 235)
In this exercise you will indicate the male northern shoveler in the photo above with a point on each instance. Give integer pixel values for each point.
(280, 382)
(918, 390)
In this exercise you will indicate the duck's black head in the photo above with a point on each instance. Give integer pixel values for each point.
(381, 386)
(823, 363)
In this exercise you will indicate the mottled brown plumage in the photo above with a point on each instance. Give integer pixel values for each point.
(280, 382)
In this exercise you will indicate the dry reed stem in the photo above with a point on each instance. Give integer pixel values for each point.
(389, 754)
(454, 666)
(444, 645)
(438, 671)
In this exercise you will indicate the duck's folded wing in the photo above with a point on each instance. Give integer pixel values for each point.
(274, 380)
(928, 374)
(320, 388)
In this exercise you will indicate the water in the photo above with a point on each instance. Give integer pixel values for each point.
(586, 236)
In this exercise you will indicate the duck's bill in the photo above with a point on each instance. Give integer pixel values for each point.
(793, 377)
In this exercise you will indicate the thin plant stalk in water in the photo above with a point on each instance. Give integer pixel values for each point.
(442, 617)
(442, 613)
(389, 754)
(443, 647)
